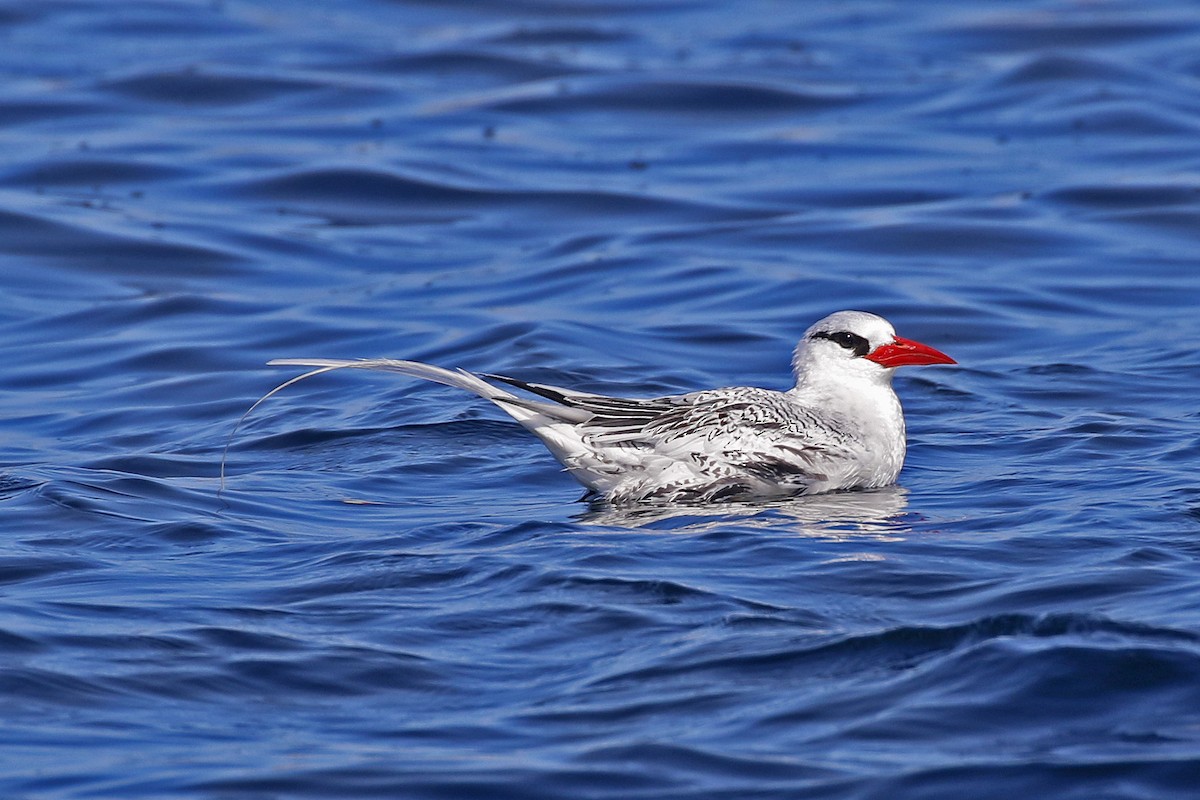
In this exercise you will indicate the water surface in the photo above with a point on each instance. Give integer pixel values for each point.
(397, 594)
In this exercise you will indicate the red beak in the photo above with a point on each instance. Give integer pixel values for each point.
(907, 353)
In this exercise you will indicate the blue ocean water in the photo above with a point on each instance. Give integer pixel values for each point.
(397, 593)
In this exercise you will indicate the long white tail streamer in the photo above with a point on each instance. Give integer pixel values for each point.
(257, 403)
(460, 379)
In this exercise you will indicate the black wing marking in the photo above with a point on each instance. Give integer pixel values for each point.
(606, 412)
(549, 392)
(737, 412)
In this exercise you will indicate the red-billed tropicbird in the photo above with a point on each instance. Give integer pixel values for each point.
(840, 427)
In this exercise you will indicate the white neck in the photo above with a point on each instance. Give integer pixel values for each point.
(864, 407)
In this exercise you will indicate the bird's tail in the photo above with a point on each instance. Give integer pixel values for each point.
(459, 378)
(542, 418)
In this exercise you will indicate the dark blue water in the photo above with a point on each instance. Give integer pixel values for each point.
(398, 594)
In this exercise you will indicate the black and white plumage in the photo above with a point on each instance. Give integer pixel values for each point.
(840, 427)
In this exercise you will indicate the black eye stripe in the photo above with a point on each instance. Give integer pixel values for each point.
(851, 341)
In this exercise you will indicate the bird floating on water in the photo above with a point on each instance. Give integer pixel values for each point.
(840, 427)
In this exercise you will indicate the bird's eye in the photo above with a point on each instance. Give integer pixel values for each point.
(851, 341)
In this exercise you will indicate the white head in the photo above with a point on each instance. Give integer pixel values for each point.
(855, 345)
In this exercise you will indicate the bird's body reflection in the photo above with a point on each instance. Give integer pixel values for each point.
(876, 512)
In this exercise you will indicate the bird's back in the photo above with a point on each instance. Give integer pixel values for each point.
(710, 445)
